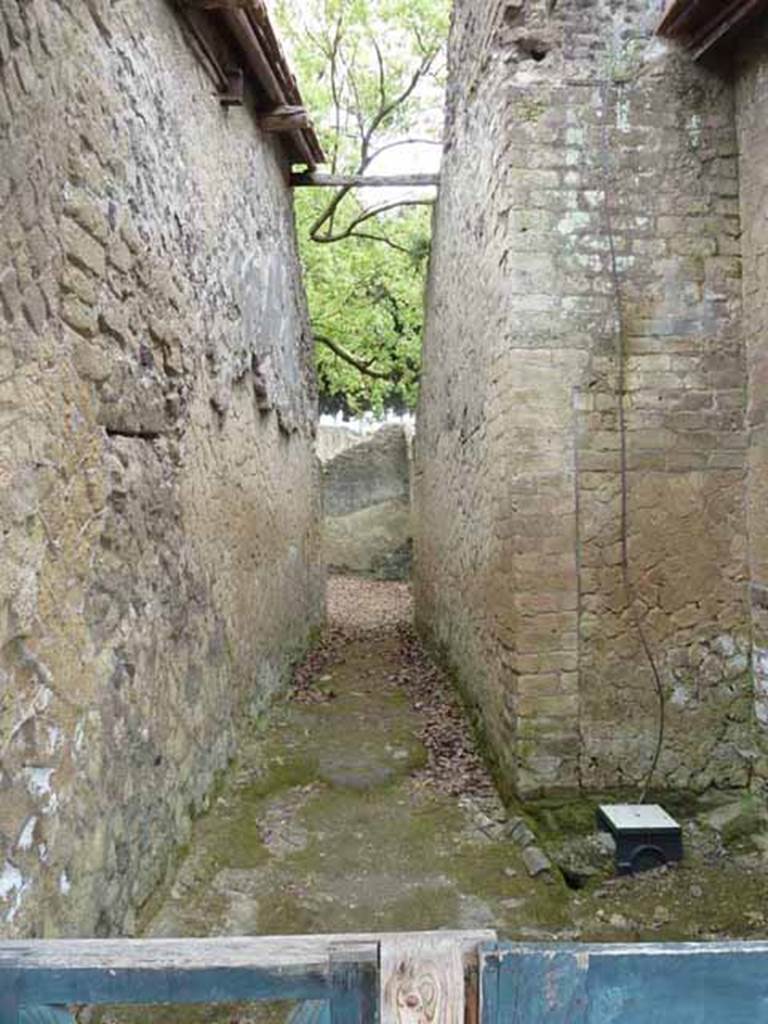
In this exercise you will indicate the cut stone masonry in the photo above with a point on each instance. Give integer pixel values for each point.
(588, 243)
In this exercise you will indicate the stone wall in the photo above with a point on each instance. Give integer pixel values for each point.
(752, 115)
(587, 230)
(367, 503)
(333, 440)
(159, 495)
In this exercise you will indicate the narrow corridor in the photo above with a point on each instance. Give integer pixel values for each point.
(362, 804)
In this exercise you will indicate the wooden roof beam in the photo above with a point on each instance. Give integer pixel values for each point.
(733, 15)
(700, 25)
(249, 24)
(240, 27)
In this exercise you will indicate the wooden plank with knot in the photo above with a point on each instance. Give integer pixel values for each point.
(422, 980)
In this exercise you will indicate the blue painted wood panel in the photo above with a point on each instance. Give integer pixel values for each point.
(311, 1013)
(354, 995)
(45, 1015)
(145, 985)
(699, 983)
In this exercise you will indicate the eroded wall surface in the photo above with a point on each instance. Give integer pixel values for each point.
(588, 220)
(752, 115)
(367, 504)
(159, 495)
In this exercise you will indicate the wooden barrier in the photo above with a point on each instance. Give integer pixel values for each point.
(687, 983)
(342, 979)
(409, 978)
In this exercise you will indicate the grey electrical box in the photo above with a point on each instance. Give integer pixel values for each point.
(646, 836)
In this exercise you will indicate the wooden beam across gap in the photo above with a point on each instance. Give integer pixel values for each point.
(315, 180)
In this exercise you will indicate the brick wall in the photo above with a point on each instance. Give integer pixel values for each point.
(751, 107)
(589, 207)
(158, 489)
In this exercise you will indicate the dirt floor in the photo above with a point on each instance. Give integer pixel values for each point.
(358, 808)
(362, 804)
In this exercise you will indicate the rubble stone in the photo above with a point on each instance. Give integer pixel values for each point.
(160, 566)
(367, 504)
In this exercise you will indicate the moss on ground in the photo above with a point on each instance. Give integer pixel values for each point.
(323, 825)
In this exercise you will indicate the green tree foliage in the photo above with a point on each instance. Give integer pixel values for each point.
(372, 77)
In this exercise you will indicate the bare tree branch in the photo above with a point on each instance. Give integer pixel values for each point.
(357, 109)
(358, 364)
(386, 109)
(335, 92)
(382, 73)
(368, 215)
(382, 238)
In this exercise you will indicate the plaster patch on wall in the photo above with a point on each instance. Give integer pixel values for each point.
(54, 739)
(13, 888)
(27, 834)
(79, 737)
(680, 695)
(39, 703)
(623, 119)
(694, 130)
(760, 667)
(38, 782)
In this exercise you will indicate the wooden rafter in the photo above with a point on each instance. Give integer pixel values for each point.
(265, 63)
(699, 25)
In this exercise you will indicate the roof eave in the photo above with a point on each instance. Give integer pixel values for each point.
(699, 25)
(249, 24)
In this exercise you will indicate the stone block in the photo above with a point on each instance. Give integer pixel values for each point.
(88, 214)
(82, 249)
(35, 308)
(120, 256)
(76, 282)
(9, 294)
(90, 360)
(81, 318)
